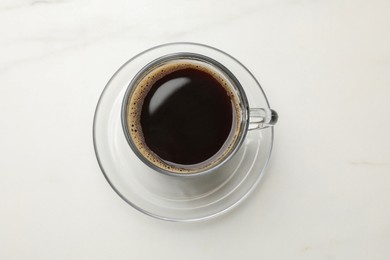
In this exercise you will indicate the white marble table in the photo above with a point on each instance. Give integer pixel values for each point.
(325, 66)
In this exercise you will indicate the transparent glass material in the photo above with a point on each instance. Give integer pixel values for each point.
(181, 198)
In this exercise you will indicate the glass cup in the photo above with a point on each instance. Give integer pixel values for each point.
(251, 118)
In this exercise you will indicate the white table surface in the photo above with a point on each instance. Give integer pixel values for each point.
(324, 65)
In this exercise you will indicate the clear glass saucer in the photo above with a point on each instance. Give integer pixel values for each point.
(177, 198)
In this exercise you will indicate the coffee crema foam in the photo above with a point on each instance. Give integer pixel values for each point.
(134, 107)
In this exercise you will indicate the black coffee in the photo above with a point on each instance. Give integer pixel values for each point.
(183, 116)
(186, 116)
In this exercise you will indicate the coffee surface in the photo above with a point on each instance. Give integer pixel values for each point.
(186, 116)
(183, 116)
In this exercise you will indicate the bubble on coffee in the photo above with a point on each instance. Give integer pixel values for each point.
(184, 116)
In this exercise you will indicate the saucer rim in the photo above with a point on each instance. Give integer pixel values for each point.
(157, 216)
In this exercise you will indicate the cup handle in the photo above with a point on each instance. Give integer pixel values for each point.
(260, 118)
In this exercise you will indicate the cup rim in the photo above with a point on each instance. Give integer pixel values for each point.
(190, 55)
